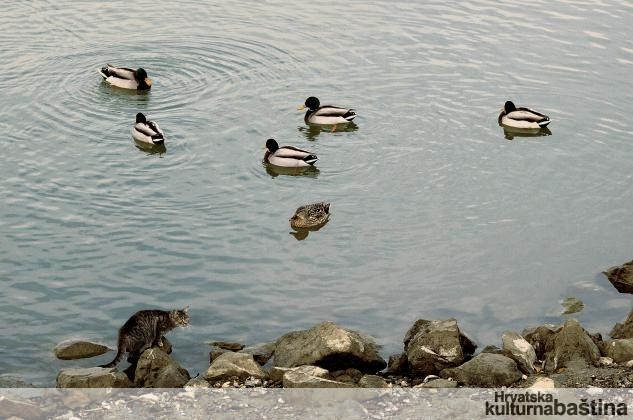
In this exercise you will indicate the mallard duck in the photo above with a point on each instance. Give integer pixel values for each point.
(310, 216)
(288, 156)
(126, 78)
(326, 114)
(514, 117)
(146, 131)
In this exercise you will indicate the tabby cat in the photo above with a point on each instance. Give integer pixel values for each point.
(144, 330)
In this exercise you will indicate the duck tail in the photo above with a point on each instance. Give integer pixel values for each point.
(350, 115)
(544, 123)
(104, 72)
(310, 159)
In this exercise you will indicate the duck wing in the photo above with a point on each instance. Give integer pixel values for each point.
(149, 129)
(333, 111)
(526, 114)
(290, 152)
(120, 72)
(156, 128)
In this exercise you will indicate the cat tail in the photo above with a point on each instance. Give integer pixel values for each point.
(119, 355)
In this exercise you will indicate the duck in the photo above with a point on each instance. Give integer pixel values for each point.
(326, 114)
(288, 156)
(514, 117)
(145, 131)
(310, 216)
(126, 78)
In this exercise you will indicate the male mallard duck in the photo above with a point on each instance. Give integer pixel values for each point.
(326, 114)
(514, 117)
(126, 78)
(147, 131)
(288, 156)
(310, 216)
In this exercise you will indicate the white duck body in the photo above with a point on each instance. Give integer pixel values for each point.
(330, 115)
(288, 156)
(125, 78)
(147, 131)
(522, 118)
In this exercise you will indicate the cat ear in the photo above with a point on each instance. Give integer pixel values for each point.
(186, 309)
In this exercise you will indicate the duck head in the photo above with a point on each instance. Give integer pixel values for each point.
(312, 103)
(272, 145)
(509, 107)
(144, 82)
(140, 118)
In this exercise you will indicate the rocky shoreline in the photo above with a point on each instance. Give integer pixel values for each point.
(436, 354)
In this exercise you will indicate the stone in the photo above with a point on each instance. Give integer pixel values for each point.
(197, 383)
(95, 377)
(519, 350)
(156, 369)
(14, 407)
(621, 277)
(434, 345)
(543, 383)
(605, 361)
(74, 399)
(277, 373)
(311, 377)
(215, 353)
(329, 346)
(624, 330)
(485, 370)
(438, 383)
(262, 353)
(398, 364)
(372, 381)
(493, 350)
(230, 365)
(539, 336)
(571, 343)
(571, 305)
(228, 345)
(79, 349)
(619, 350)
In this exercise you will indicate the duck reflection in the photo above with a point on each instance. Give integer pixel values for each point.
(312, 131)
(510, 133)
(151, 149)
(275, 171)
(301, 234)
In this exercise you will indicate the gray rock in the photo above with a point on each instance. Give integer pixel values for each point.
(228, 345)
(398, 364)
(372, 381)
(539, 336)
(519, 350)
(329, 346)
(156, 369)
(262, 353)
(621, 277)
(277, 373)
(14, 407)
(215, 353)
(311, 377)
(197, 383)
(75, 399)
(493, 350)
(620, 350)
(572, 305)
(485, 370)
(95, 377)
(229, 365)
(79, 349)
(624, 330)
(438, 383)
(434, 345)
(571, 343)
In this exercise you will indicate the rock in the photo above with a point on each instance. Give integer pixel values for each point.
(311, 377)
(438, 383)
(277, 373)
(79, 349)
(621, 277)
(619, 350)
(624, 330)
(10, 406)
(329, 346)
(605, 361)
(215, 353)
(253, 382)
(262, 353)
(398, 364)
(571, 305)
(485, 370)
(95, 377)
(571, 343)
(539, 336)
(197, 383)
(493, 350)
(372, 381)
(519, 350)
(227, 345)
(75, 399)
(543, 383)
(434, 345)
(228, 365)
(156, 369)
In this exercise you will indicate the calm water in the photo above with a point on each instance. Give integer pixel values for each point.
(435, 212)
